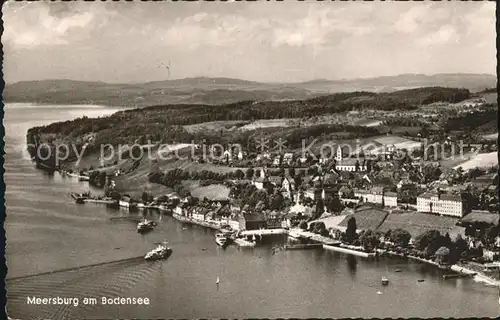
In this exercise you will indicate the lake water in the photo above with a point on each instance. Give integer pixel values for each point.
(46, 231)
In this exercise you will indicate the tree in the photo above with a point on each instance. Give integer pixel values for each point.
(400, 237)
(303, 225)
(102, 178)
(320, 209)
(351, 230)
(369, 240)
(239, 174)
(443, 255)
(277, 202)
(145, 197)
(490, 234)
(333, 204)
(430, 237)
(460, 245)
(249, 173)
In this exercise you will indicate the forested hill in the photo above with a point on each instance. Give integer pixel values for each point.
(169, 117)
(214, 91)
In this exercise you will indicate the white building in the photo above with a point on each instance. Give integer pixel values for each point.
(349, 164)
(390, 199)
(288, 158)
(444, 204)
(375, 195)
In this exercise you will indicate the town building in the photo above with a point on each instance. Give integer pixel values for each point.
(259, 181)
(374, 195)
(348, 164)
(252, 221)
(444, 204)
(390, 199)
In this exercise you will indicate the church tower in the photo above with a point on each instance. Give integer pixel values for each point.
(338, 157)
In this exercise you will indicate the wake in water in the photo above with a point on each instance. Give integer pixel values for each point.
(108, 280)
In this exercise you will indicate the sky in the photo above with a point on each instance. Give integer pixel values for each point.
(287, 41)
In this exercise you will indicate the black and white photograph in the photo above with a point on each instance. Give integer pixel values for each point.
(250, 159)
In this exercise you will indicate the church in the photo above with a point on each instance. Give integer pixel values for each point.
(348, 164)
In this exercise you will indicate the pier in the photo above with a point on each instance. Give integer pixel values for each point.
(303, 246)
(306, 235)
(102, 201)
(263, 232)
(458, 275)
(349, 251)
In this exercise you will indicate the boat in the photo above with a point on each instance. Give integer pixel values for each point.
(145, 225)
(221, 239)
(398, 270)
(159, 253)
(385, 281)
(241, 242)
(420, 280)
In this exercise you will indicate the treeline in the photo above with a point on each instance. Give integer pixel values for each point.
(405, 122)
(173, 177)
(471, 121)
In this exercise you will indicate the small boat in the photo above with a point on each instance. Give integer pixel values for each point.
(385, 281)
(420, 280)
(159, 253)
(398, 270)
(145, 225)
(218, 280)
(221, 239)
(244, 243)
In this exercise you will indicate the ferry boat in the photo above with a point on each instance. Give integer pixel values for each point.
(145, 225)
(385, 281)
(221, 239)
(159, 253)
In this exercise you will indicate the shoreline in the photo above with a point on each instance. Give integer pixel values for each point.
(335, 245)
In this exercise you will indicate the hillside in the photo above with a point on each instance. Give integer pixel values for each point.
(205, 90)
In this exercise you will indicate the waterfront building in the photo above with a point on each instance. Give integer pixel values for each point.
(252, 221)
(444, 204)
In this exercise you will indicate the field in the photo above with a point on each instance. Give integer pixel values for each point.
(417, 223)
(215, 126)
(366, 218)
(267, 123)
(211, 192)
(493, 136)
(481, 160)
(332, 221)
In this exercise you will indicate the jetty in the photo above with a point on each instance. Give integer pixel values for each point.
(306, 235)
(458, 275)
(97, 201)
(263, 232)
(349, 251)
(303, 246)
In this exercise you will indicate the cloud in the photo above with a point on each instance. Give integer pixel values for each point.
(445, 34)
(30, 26)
